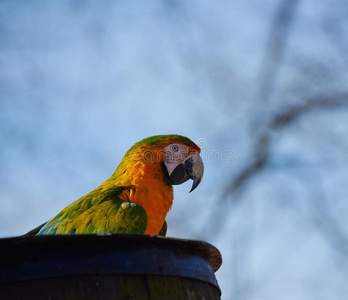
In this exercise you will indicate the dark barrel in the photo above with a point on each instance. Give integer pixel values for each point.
(118, 266)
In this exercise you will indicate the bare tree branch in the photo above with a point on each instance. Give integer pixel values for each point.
(275, 49)
(277, 123)
(321, 102)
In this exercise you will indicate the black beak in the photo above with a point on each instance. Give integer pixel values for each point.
(192, 168)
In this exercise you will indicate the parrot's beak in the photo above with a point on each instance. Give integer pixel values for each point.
(191, 168)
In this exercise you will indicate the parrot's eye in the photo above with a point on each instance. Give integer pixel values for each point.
(175, 148)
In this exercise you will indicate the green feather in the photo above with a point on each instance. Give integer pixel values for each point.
(98, 212)
(161, 140)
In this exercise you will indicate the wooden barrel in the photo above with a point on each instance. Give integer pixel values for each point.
(120, 266)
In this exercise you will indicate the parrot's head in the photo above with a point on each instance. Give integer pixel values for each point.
(177, 157)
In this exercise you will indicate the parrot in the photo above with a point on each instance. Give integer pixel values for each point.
(138, 195)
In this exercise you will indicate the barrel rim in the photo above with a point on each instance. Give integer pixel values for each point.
(196, 254)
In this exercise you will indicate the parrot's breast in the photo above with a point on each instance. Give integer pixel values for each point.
(152, 192)
(156, 206)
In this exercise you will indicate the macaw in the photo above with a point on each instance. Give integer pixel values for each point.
(138, 195)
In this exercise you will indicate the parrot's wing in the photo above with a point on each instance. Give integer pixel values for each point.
(98, 212)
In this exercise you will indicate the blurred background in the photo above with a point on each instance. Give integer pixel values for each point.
(261, 86)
